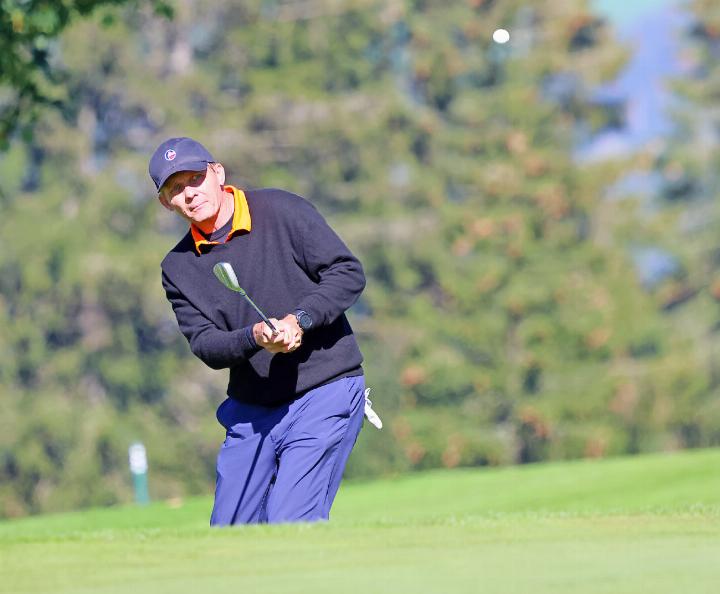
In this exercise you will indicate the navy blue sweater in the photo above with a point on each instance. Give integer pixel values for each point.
(291, 259)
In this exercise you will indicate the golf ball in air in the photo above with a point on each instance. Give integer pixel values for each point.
(501, 36)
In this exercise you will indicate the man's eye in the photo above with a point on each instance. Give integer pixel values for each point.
(196, 178)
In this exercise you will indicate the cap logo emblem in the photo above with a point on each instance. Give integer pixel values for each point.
(170, 155)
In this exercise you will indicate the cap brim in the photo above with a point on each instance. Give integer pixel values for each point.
(187, 166)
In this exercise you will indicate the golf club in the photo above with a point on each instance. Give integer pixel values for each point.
(226, 275)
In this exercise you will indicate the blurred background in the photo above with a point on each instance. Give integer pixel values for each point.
(538, 222)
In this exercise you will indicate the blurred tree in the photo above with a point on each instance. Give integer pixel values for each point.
(680, 221)
(500, 323)
(29, 74)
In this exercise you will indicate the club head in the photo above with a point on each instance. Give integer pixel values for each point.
(226, 275)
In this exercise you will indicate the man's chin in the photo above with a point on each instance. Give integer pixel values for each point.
(199, 217)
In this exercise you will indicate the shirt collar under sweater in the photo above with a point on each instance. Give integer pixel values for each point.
(240, 222)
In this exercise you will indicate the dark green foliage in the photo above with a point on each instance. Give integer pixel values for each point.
(30, 78)
(502, 322)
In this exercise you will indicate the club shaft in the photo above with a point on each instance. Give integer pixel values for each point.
(261, 314)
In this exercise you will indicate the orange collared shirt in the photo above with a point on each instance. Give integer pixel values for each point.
(240, 221)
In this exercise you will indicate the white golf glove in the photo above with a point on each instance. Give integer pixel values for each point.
(371, 415)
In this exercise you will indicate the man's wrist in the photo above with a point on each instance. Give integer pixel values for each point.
(304, 319)
(250, 334)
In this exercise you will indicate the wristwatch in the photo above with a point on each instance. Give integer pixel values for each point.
(303, 319)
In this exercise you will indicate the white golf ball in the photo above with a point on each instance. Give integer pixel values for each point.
(501, 36)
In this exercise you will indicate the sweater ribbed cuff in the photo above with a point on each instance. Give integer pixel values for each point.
(250, 338)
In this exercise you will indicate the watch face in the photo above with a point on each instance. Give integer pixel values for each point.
(304, 320)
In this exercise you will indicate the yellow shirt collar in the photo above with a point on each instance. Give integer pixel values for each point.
(240, 221)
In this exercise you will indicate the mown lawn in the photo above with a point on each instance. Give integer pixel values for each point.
(635, 525)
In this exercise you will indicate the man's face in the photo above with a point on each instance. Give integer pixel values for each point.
(195, 195)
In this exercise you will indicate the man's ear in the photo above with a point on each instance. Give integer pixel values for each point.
(164, 201)
(219, 171)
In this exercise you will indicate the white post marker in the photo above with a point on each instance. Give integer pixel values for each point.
(138, 468)
(501, 36)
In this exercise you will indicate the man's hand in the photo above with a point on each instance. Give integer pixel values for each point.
(267, 339)
(287, 339)
(291, 325)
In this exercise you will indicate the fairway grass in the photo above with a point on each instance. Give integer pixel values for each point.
(627, 525)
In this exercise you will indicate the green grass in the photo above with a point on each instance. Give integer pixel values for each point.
(627, 525)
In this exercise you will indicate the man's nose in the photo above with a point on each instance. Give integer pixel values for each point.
(189, 193)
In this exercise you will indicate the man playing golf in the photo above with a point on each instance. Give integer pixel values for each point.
(295, 396)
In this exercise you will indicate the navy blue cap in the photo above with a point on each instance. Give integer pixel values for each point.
(178, 154)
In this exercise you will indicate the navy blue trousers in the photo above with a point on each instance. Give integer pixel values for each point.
(285, 463)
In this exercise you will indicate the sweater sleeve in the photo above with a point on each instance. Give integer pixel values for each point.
(337, 273)
(216, 348)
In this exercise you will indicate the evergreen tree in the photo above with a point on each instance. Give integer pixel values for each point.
(28, 78)
(500, 323)
(677, 225)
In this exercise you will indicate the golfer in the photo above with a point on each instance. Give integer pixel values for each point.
(295, 398)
